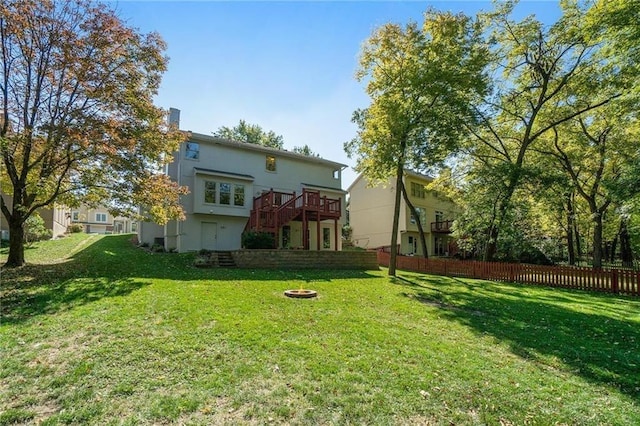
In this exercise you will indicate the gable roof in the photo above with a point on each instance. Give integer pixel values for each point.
(213, 140)
(407, 172)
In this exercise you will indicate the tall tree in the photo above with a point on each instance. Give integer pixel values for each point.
(536, 71)
(78, 122)
(421, 81)
(250, 133)
(305, 150)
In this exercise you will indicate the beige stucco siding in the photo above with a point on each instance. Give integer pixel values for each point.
(371, 214)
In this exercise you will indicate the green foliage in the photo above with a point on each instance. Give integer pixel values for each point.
(548, 79)
(35, 230)
(258, 240)
(305, 150)
(75, 228)
(78, 120)
(250, 133)
(423, 82)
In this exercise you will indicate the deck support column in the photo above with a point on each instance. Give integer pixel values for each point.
(335, 233)
(318, 232)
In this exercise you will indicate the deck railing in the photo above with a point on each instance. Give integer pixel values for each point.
(442, 226)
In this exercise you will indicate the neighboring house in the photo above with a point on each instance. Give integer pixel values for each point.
(99, 221)
(371, 216)
(56, 218)
(236, 187)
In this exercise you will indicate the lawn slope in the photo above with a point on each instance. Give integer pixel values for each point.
(106, 333)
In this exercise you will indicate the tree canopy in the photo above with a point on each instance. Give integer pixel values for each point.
(422, 81)
(250, 133)
(539, 124)
(78, 123)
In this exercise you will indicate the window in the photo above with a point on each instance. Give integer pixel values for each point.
(326, 238)
(336, 174)
(238, 195)
(101, 217)
(209, 192)
(439, 217)
(225, 193)
(75, 216)
(192, 150)
(222, 193)
(422, 213)
(271, 163)
(417, 190)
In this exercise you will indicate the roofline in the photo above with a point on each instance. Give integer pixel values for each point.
(223, 173)
(406, 172)
(327, 188)
(199, 137)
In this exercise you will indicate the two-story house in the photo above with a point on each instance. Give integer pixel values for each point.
(236, 187)
(98, 220)
(371, 216)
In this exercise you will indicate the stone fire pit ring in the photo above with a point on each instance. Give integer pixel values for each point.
(301, 294)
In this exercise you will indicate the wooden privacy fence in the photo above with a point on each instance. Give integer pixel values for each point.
(617, 281)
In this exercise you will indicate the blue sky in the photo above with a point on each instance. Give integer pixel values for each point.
(287, 66)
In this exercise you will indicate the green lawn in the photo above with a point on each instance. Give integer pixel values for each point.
(115, 335)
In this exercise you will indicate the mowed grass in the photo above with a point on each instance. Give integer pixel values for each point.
(115, 335)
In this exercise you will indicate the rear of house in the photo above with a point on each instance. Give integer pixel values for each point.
(98, 220)
(236, 187)
(371, 216)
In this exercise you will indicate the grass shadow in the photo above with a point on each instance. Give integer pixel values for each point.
(112, 266)
(558, 328)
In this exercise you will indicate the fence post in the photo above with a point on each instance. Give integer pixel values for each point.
(614, 281)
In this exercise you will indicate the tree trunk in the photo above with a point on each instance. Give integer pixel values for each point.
(626, 252)
(570, 228)
(597, 240)
(416, 216)
(396, 220)
(16, 243)
(614, 247)
(492, 244)
(576, 233)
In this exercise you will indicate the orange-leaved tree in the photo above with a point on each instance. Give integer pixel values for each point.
(77, 121)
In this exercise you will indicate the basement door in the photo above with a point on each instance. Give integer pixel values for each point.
(209, 235)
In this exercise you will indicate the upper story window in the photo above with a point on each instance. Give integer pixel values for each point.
(418, 190)
(101, 217)
(75, 216)
(439, 217)
(336, 174)
(192, 150)
(271, 163)
(423, 216)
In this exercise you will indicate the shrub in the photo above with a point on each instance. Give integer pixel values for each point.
(75, 228)
(34, 230)
(157, 248)
(258, 240)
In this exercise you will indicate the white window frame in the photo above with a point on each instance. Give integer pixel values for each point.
(192, 151)
(271, 164)
(99, 216)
